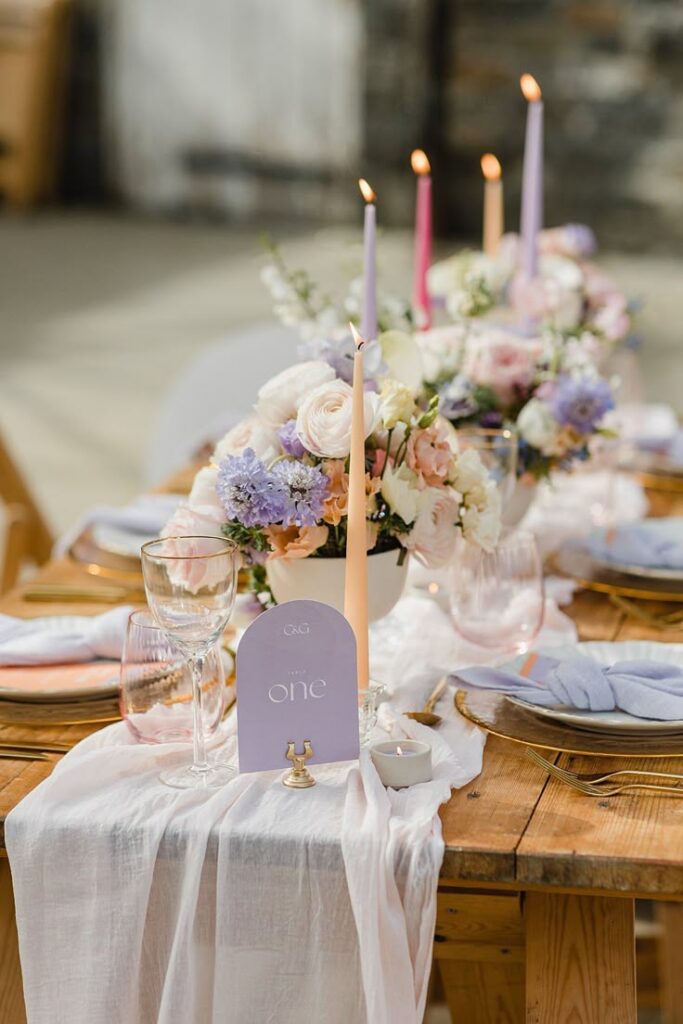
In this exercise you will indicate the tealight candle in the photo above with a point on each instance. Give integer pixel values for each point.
(402, 763)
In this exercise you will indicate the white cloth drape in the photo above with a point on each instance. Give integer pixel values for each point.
(253, 904)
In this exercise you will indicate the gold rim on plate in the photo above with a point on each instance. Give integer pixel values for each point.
(497, 716)
(580, 567)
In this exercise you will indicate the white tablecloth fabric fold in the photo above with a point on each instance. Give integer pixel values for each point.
(253, 904)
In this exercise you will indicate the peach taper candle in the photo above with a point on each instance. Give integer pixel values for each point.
(493, 204)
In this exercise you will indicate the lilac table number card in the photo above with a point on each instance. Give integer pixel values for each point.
(296, 680)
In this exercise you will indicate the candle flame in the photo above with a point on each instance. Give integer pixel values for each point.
(398, 750)
(490, 166)
(419, 162)
(367, 193)
(530, 88)
(359, 341)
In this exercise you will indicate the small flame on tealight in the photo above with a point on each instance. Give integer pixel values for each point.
(490, 167)
(433, 588)
(399, 750)
(530, 87)
(367, 193)
(419, 162)
(358, 339)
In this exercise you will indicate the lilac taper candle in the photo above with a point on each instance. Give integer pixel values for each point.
(369, 318)
(531, 220)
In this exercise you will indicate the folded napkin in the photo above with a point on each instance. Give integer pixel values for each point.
(63, 638)
(638, 544)
(651, 426)
(646, 689)
(147, 515)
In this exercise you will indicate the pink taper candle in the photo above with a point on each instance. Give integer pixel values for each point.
(493, 204)
(369, 318)
(531, 220)
(423, 238)
(356, 583)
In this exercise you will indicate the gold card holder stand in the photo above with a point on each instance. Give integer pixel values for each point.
(299, 776)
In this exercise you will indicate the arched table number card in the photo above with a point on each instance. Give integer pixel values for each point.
(297, 684)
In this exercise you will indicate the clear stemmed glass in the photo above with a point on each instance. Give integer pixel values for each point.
(497, 449)
(497, 597)
(156, 685)
(190, 585)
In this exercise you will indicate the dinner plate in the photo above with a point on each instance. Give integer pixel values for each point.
(606, 721)
(117, 540)
(670, 529)
(55, 684)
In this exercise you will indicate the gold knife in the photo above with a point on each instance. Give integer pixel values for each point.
(66, 592)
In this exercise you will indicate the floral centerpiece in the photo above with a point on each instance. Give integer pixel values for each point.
(571, 298)
(521, 355)
(548, 390)
(277, 483)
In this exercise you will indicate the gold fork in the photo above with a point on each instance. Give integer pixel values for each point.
(596, 788)
(596, 776)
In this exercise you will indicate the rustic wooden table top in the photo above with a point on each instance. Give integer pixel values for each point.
(512, 827)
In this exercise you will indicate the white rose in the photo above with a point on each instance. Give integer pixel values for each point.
(279, 399)
(397, 403)
(442, 350)
(482, 527)
(250, 433)
(399, 490)
(323, 422)
(435, 533)
(203, 498)
(538, 427)
(469, 473)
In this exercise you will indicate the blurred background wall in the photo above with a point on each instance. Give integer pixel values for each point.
(269, 108)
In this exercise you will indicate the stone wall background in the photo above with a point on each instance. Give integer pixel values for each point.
(612, 78)
(277, 108)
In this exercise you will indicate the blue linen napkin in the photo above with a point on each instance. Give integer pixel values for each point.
(636, 544)
(646, 689)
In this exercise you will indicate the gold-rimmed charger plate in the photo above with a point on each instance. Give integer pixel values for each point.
(578, 565)
(498, 716)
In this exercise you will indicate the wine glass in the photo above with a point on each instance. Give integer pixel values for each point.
(497, 597)
(497, 449)
(156, 685)
(190, 586)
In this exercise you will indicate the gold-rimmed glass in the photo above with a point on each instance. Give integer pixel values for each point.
(497, 448)
(190, 584)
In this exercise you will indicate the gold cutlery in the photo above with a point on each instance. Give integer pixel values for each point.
(67, 592)
(594, 788)
(669, 620)
(29, 747)
(592, 777)
(7, 754)
(427, 715)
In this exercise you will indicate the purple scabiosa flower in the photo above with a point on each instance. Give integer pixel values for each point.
(289, 439)
(305, 489)
(248, 492)
(580, 403)
(456, 399)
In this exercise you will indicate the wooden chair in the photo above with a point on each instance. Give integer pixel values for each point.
(27, 536)
(33, 46)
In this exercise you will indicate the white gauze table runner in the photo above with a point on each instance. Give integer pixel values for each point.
(248, 905)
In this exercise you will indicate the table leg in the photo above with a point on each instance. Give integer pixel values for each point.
(479, 949)
(670, 916)
(11, 993)
(580, 960)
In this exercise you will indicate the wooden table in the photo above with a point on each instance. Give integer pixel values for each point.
(535, 916)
